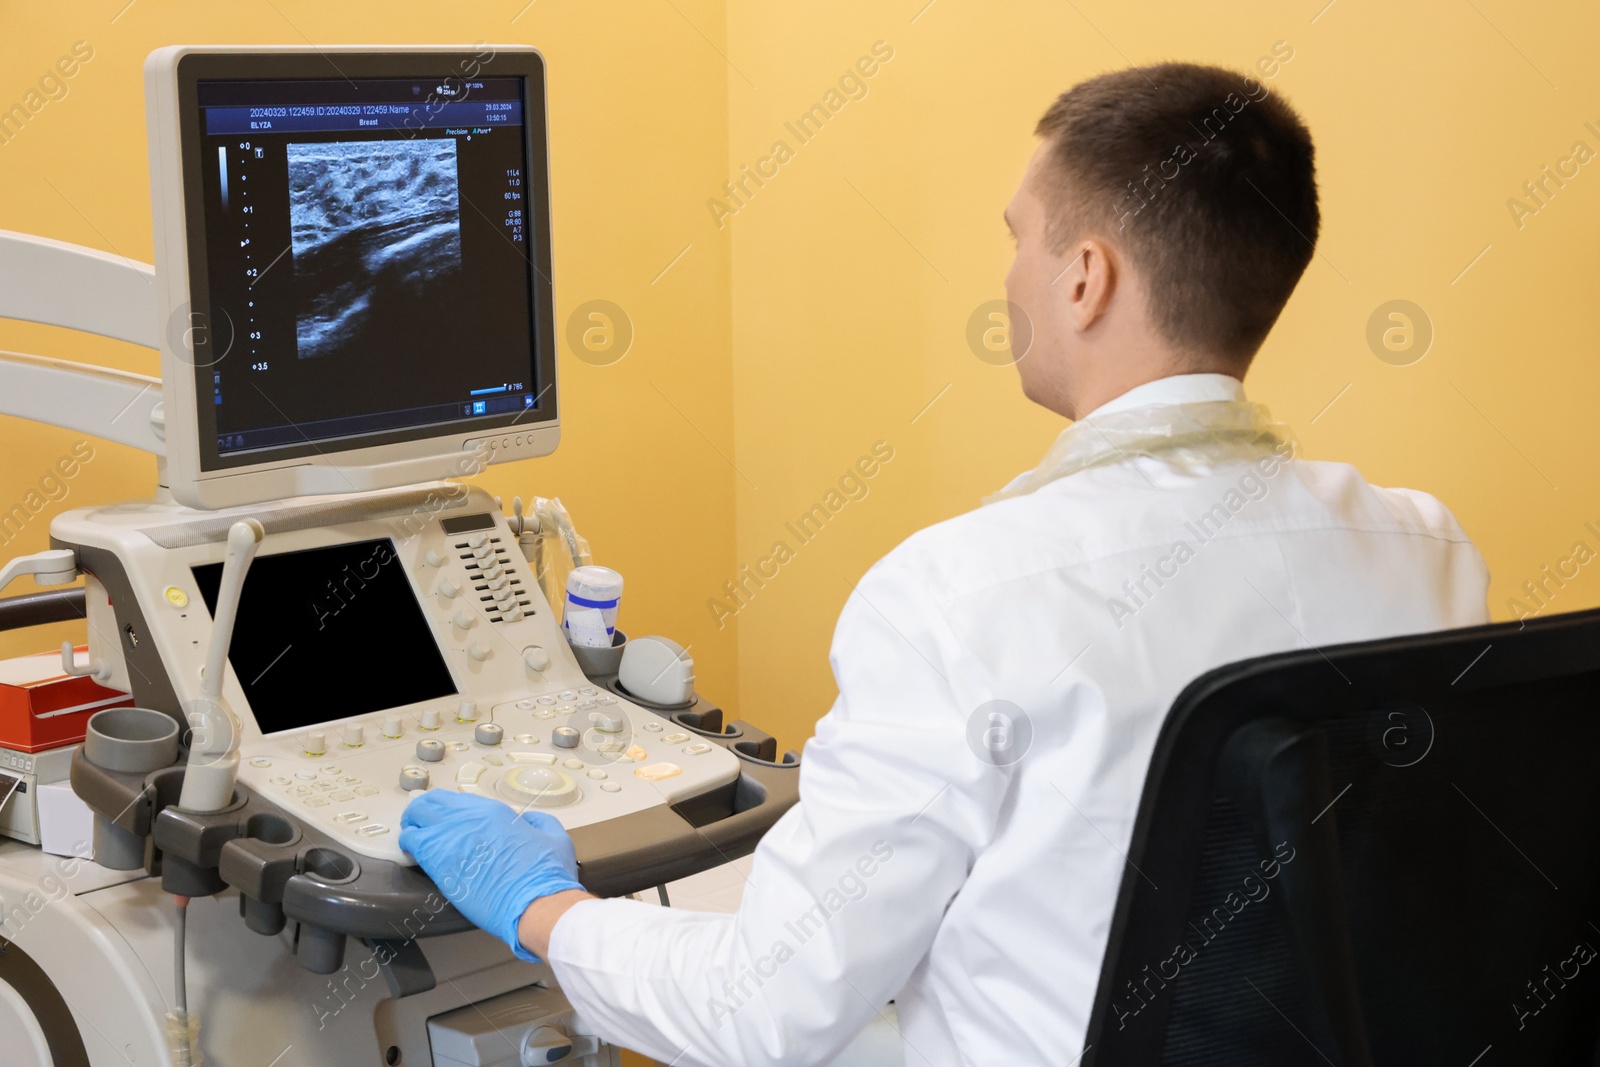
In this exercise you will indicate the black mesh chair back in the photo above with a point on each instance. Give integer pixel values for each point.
(1378, 854)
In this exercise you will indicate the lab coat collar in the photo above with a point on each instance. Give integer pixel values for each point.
(1187, 419)
(1175, 389)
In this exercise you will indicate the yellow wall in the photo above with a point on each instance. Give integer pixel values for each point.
(826, 312)
(638, 120)
(856, 268)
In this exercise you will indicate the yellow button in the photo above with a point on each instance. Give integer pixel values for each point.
(636, 753)
(657, 771)
(176, 597)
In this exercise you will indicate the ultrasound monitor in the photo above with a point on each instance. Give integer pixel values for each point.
(353, 247)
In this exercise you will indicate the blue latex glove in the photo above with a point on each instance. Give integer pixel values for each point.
(490, 862)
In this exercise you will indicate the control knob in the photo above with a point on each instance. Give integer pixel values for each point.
(564, 737)
(536, 658)
(488, 733)
(414, 777)
(430, 751)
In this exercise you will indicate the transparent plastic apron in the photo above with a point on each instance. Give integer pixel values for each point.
(1185, 435)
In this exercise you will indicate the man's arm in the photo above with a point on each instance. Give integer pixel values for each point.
(534, 928)
(846, 892)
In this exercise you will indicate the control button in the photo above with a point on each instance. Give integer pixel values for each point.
(330, 768)
(588, 690)
(597, 775)
(464, 619)
(657, 771)
(350, 816)
(447, 589)
(494, 761)
(565, 709)
(526, 703)
(477, 540)
(606, 722)
(564, 737)
(567, 695)
(306, 776)
(676, 739)
(478, 651)
(611, 787)
(350, 780)
(585, 705)
(341, 795)
(482, 552)
(636, 753)
(316, 743)
(536, 658)
(488, 733)
(316, 802)
(467, 712)
(430, 719)
(176, 597)
(626, 759)
(699, 748)
(546, 713)
(653, 727)
(391, 726)
(355, 735)
(470, 773)
(365, 790)
(324, 786)
(605, 698)
(526, 739)
(433, 558)
(373, 829)
(512, 614)
(261, 761)
(500, 581)
(547, 700)
(300, 791)
(413, 777)
(430, 751)
(573, 764)
(544, 758)
(489, 571)
(542, 787)
(458, 746)
(282, 779)
(614, 745)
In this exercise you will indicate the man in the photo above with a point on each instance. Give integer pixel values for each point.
(966, 804)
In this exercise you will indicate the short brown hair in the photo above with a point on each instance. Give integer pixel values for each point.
(1206, 180)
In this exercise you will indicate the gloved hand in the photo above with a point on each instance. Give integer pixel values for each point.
(488, 861)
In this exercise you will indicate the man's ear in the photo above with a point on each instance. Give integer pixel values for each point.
(1091, 282)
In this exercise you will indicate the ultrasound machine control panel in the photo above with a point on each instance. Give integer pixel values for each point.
(403, 646)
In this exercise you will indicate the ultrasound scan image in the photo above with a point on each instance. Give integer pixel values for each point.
(374, 226)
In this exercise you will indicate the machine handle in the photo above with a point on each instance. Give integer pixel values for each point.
(651, 848)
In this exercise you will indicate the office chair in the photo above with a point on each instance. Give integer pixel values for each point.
(1377, 854)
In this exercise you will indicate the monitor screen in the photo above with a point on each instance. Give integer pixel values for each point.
(369, 264)
(329, 633)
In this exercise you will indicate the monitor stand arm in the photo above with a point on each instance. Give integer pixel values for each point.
(83, 289)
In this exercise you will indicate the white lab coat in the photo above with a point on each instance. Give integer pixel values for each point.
(976, 896)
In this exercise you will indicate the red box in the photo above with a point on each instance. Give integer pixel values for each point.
(41, 708)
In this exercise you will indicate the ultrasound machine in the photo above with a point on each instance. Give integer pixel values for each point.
(314, 617)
